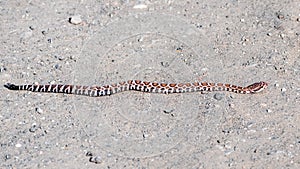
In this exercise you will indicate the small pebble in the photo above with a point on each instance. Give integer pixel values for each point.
(7, 156)
(31, 28)
(165, 64)
(39, 110)
(59, 57)
(33, 128)
(283, 90)
(44, 32)
(280, 16)
(89, 154)
(169, 112)
(2, 69)
(57, 66)
(263, 104)
(231, 105)
(269, 111)
(96, 160)
(75, 20)
(18, 145)
(140, 6)
(218, 96)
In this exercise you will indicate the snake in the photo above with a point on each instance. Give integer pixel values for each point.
(139, 85)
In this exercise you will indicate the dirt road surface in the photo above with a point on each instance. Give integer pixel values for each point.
(103, 42)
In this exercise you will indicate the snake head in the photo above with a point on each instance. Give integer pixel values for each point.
(257, 87)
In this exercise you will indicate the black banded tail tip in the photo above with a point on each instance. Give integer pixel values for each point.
(11, 86)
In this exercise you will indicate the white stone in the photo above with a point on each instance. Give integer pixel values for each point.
(75, 20)
(140, 6)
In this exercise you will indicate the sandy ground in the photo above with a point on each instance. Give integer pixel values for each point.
(167, 41)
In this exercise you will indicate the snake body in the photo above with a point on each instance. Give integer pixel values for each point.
(138, 85)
